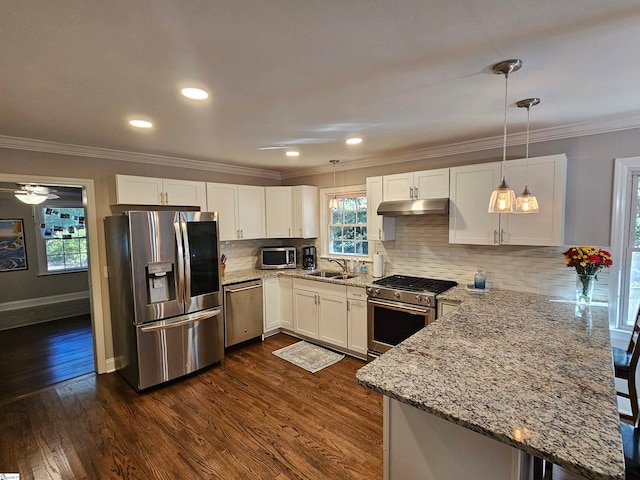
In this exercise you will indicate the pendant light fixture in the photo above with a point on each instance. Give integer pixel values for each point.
(503, 200)
(333, 203)
(527, 202)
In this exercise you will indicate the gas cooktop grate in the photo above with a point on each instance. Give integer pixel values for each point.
(415, 284)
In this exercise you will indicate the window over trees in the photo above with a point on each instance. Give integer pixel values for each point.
(348, 226)
(62, 245)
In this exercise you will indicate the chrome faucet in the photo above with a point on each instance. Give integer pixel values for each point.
(342, 262)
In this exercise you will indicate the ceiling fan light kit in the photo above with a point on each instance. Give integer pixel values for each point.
(34, 194)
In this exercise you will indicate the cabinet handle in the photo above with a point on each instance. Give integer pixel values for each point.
(166, 198)
(241, 233)
(238, 234)
(410, 193)
(415, 193)
(348, 306)
(301, 232)
(495, 238)
(502, 241)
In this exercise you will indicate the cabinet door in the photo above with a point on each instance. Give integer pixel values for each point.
(397, 187)
(305, 312)
(305, 211)
(286, 302)
(251, 221)
(357, 322)
(432, 183)
(470, 191)
(546, 177)
(221, 198)
(133, 190)
(271, 300)
(445, 308)
(185, 193)
(378, 226)
(333, 320)
(279, 212)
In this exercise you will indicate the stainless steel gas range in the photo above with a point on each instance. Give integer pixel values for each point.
(397, 307)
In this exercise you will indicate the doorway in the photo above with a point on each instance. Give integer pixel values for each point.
(94, 277)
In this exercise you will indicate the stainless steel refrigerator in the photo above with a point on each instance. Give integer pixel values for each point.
(165, 294)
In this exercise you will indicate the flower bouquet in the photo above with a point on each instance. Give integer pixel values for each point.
(587, 261)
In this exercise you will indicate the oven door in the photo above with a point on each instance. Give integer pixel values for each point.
(389, 323)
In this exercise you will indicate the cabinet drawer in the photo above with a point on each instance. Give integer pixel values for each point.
(323, 288)
(356, 293)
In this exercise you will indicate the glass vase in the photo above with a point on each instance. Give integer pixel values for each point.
(584, 288)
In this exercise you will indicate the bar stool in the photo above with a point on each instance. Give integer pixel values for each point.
(625, 363)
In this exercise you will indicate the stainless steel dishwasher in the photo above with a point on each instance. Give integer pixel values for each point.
(242, 312)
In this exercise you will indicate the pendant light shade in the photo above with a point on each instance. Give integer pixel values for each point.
(503, 199)
(333, 203)
(527, 202)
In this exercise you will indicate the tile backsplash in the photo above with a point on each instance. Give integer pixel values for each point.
(422, 249)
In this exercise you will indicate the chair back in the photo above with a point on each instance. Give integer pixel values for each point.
(633, 341)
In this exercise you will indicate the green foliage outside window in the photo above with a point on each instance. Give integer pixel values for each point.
(348, 227)
(65, 238)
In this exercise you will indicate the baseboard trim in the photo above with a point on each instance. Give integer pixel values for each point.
(37, 302)
(110, 365)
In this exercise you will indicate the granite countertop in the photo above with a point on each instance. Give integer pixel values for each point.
(519, 368)
(360, 280)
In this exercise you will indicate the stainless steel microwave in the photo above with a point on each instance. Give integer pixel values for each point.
(274, 258)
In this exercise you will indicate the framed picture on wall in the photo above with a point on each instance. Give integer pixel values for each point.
(13, 254)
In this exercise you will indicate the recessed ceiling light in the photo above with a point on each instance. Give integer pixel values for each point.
(140, 123)
(194, 93)
(353, 141)
(292, 153)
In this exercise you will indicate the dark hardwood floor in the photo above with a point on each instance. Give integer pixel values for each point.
(255, 416)
(37, 356)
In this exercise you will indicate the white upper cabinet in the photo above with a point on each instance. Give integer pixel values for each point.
(292, 212)
(546, 178)
(417, 185)
(251, 212)
(134, 190)
(378, 226)
(240, 210)
(471, 187)
(279, 212)
(305, 211)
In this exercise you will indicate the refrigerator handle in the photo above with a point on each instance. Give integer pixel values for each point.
(181, 321)
(187, 260)
(180, 262)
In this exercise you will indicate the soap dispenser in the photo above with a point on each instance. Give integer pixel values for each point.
(480, 279)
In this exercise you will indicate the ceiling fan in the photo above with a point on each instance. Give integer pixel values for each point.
(34, 194)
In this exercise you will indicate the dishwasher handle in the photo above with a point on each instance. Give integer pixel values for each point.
(235, 290)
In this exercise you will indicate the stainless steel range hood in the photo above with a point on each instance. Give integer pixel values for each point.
(414, 207)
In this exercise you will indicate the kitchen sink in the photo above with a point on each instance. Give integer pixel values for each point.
(329, 274)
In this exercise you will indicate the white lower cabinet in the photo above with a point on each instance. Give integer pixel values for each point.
(271, 301)
(305, 312)
(333, 320)
(286, 302)
(357, 320)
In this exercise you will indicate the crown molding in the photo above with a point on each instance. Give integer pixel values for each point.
(29, 144)
(471, 146)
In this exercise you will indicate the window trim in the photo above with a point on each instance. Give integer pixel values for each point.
(622, 207)
(325, 196)
(41, 249)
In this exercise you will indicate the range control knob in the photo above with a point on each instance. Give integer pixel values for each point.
(369, 290)
(418, 298)
(428, 300)
(377, 292)
(397, 295)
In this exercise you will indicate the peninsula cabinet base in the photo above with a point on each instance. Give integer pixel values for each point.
(418, 445)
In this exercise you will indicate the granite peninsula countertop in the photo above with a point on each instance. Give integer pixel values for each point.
(360, 280)
(519, 368)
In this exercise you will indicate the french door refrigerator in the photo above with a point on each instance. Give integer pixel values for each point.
(165, 294)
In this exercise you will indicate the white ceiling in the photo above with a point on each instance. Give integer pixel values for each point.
(403, 74)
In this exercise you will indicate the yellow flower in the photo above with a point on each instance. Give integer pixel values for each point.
(583, 264)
